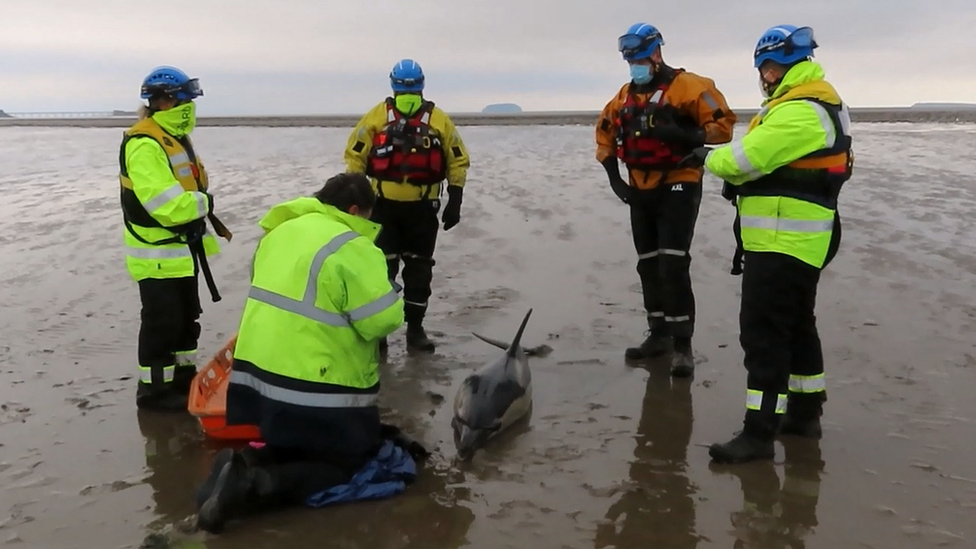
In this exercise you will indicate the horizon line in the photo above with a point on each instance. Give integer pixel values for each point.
(944, 107)
(537, 118)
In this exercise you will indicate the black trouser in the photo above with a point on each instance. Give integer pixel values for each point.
(409, 232)
(297, 473)
(167, 337)
(778, 333)
(663, 224)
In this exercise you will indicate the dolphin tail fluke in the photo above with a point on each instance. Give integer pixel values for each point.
(518, 335)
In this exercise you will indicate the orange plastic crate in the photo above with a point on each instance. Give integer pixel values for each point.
(208, 398)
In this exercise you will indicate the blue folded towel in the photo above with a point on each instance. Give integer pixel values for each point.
(384, 476)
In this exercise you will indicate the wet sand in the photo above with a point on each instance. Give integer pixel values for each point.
(614, 455)
(554, 118)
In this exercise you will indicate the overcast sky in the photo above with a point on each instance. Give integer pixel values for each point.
(334, 56)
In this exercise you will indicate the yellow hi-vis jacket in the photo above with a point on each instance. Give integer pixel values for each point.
(163, 184)
(306, 360)
(789, 167)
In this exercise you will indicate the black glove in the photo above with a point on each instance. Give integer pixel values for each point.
(670, 132)
(411, 446)
(737, 261)
(620, 187)
(404, 442)
(729, 191)
(195, 230)
(452, 212)
(696, 159)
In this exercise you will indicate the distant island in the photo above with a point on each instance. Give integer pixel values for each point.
(944, 106)
(4, 115)
(502, 108)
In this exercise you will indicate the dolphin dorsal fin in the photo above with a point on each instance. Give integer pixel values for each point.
(518, 335)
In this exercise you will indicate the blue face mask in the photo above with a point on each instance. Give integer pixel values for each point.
(641, 74)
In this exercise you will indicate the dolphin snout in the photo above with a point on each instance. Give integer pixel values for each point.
(467, 440)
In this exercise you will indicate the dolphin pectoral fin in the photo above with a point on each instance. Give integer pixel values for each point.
(497, 343)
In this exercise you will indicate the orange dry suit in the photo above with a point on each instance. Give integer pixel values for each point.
(677, 99)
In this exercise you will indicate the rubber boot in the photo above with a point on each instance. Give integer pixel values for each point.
(742, 448)
(183, 378)
(417, 338)
(656, 344)
(803, 413)
(753, 442)
(222, 458)
(682, 361)
(807, 429)
(228, 494)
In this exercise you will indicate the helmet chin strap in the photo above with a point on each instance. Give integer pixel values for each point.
(655, 67)
(768, 88)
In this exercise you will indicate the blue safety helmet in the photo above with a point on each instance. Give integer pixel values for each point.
(785, 44)
(407, 76)
(171, 81)
(640, 41)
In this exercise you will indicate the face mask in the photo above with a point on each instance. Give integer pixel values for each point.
(641, 74)
(180, 120)
(408, 103)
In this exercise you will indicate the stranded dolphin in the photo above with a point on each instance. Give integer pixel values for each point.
(494, 397)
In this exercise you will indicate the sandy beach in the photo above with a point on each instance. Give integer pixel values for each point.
(614, 455)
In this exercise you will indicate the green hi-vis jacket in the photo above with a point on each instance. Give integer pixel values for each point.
(162, 183)
(320, 300)
(788, 168)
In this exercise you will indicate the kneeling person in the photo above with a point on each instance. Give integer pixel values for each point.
(305, 366)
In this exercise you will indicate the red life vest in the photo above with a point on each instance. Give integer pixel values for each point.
(635, 147)
(407, 147)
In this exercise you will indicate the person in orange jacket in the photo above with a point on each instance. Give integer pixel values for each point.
(654, 121)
